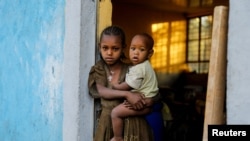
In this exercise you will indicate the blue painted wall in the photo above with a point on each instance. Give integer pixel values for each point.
(31, 70)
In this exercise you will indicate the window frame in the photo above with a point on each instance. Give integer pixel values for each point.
(199, 62)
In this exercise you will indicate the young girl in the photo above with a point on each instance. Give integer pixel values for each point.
(140, 78)
(111, 70)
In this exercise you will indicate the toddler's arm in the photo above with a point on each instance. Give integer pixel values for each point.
(121, 86)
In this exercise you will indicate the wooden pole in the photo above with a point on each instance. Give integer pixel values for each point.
(215, 98)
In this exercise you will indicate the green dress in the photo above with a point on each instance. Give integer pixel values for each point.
(135, 128)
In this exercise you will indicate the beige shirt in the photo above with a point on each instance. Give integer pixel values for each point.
(142, 78)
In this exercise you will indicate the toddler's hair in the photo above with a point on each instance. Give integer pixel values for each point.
(150, 40)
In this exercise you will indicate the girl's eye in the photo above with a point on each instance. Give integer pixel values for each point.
(104, 48)
(115, 49)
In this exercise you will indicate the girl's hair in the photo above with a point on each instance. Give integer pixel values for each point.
(116, 31)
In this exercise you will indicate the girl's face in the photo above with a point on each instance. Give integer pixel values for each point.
(139, 51)
(111, 49)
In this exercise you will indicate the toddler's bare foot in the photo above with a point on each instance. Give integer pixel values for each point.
(117, 139)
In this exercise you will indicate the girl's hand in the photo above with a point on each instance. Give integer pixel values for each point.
(128, 105)
(149, 102)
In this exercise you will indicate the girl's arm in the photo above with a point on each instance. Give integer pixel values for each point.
(135, 99)
(148, 102)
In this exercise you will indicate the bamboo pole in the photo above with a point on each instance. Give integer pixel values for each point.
(215, 98)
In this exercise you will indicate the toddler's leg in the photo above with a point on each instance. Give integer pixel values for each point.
(117, 123)
(117, 115)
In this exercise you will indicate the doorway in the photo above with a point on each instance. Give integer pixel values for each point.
(182, 57)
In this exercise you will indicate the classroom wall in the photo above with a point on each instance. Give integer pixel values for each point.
(134, 19)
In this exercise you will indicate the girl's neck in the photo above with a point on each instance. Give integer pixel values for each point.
(115, 66)
(114, 72)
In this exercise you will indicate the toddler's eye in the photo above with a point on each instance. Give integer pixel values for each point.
(132, 48)
(142, 49)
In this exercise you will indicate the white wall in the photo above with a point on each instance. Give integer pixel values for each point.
(79, 56)
(238, 76)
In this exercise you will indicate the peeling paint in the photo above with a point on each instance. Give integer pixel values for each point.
(31, 58)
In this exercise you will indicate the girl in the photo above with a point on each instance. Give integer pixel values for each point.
(110, 70)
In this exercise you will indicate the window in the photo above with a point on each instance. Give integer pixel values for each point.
(175, 51)
(199, 43)
(170, 46)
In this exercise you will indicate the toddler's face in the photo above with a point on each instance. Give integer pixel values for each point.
(138, 51)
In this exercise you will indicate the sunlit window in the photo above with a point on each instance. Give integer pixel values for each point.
(159, 60)
(175, 51)
(170, 46)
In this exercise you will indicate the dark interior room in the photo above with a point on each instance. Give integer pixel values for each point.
(182, 31)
